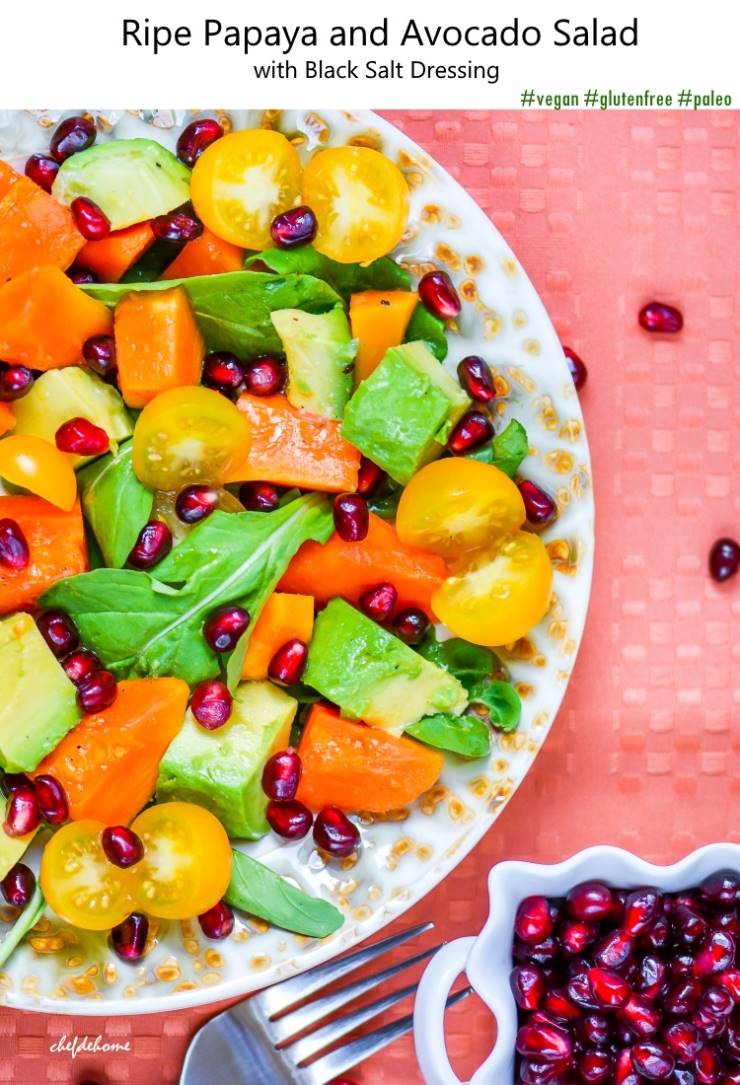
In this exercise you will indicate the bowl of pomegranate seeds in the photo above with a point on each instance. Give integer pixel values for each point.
(601, 970)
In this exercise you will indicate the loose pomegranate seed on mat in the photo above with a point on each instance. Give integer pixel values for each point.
(290, 819)
(289, 662)
(472, 431)
(99, 353)
(224, 626)
(178, 226)
(294, 227)
(59, 631)
(72, 135)
(259, 496)
(217, 922)
(129, 938)
(194, 139)
(539, 506)
(42, 169)
(351, 517)
(335, 833)
(658, 317)
(577, 367)
(22, 814)
(18, 885)
(438, 295)
(51, 799)
(211, 703)
(724, 559)
(122, 846)
(476, 378)
(91, 220)
(281, 775)
(80, 664)
(265, 375)
(14, 552)
(223, 372)
(153, 544)
(652, 997)
(379, 602)
(97, 692)
(194, 503)
(16, 381)
(81, 437)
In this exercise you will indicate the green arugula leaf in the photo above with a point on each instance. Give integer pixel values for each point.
(425, 325)
(142, 625)
(28, 918)
(256, 889)
(233, 310)
(507, 450)
(467, 736)
(500, 702)
(115, 503)
(347, 279)
(471, 664)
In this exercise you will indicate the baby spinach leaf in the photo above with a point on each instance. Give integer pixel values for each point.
(115, 503)
(233, 310)
(256, 889)
(425, 325)
(471, 664)
(28, 918)
(507, 449)
(500, 702)
(142, 625)
(347, 279)
(467, 736)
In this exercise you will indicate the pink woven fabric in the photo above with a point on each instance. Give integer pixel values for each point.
(606, 211)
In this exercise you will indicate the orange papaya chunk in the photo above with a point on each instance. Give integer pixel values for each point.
(379, 319)
(207, 255)
(7, 418)
(111, 258)
(283, 618)
(56, 545)
(35, 229)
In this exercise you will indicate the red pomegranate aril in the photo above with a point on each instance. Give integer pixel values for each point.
(577, 367)
(652, 976)
(351, 517)
(624, 1071)
(80, 276)
(194, 503)
(91, 220)
(727, 921)
(590, 901)
(129, 938)
(122, 846)
(683, 1040)
(545, 953)
(80, 665)
(682, 998)
(22, 814)
(59, 632)
(715, 954)
(281, 775)
(97, 692)
(659, 935)
(557, 1004)
(641, 1016)
(99, 352)
(717, 1000)
(609, 988)
(14, 781)
(579, 991)
(533, 922)
(533, 1072)
(689, 924)
(528, 986)
(211, 703)
(223, 372)
(546, 1042)
(224, 626)
(731, 981)
(259, 496)
(335, 833)
(14, 552)
(574, 936)
(596, 1029)
(641, 908)
(71, 135)
(721, 889)
(476, 378)
(294, 227)
(42, 169)
(653, 1061)
(472, 431)
(265, 375)
(681, 964)
(18, 885)
(178, 227)
(656, 316)
(289, 662)
(218, 922)
(710, 1025)
(51, 799)
(724, 559)
(369, 477)
(539, 506)
(194, 139)
(290, 819)
(411, 625)
(80, 437)
(153, 544)
(708, 1066)
(615, 949)
(379, 602)
(595, 1067)
(438, 295)
(16, 381)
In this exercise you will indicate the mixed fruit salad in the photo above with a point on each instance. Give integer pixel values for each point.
(240, 489)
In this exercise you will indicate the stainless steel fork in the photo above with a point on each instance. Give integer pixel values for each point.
(263, 1041)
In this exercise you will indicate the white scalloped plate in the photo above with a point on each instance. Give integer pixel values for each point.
(62, 969)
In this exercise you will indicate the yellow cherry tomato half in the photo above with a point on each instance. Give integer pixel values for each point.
(454, 505)
(38, 466)
(361, 201)
(186, 436)
(242, 181)
(497, 595)
(80, 883)
(187, 860)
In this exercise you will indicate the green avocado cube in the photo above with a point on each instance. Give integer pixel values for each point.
(320, 352)
(39, 704)
(372, 675)
(401, 415)
(222, 770)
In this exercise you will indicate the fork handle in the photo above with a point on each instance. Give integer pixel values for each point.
(429, 1012)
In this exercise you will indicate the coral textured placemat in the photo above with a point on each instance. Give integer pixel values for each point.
(605, 211)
